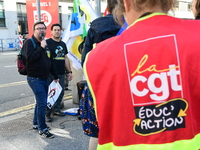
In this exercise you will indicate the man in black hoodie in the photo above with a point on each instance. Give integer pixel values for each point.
(39, 66)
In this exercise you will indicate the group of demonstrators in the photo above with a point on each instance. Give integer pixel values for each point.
(45, 63)
(144, 83)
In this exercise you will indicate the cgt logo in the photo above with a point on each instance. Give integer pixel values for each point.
(168, 79)
(154, 75)
(153, 70)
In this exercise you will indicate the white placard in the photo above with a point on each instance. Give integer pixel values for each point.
(53, 93)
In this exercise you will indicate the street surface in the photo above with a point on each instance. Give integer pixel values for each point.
(13, 87)
(16, 112)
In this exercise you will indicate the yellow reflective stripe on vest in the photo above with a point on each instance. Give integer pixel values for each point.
(89, 85)
(59, 58)
(192, 144)
(146, 17)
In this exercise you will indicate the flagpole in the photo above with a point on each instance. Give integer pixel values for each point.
(38, 10)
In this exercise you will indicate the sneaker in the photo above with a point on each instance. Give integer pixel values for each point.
(35, 128)
(68, 89)
(48, 119)
(62, 114)
(46, 134)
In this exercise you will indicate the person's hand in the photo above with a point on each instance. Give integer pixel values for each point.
(57, 80)
(43, 43)
(69, 76)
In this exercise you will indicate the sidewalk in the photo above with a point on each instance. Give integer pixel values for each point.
(16, 132)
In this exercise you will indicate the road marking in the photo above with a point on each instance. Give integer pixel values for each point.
(10, 66)
(31, 106)
(16, 110)
(13, 84)
(67, 96)
(10, 53)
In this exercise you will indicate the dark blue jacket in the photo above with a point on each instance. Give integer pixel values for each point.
(101, 29)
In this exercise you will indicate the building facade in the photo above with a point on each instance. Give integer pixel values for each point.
(183, 9)
(13, 16)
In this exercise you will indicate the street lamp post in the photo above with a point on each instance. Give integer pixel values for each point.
(38, 10)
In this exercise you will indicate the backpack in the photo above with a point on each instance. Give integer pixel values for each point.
(21, 60)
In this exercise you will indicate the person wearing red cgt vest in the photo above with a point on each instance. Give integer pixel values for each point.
(145, 82)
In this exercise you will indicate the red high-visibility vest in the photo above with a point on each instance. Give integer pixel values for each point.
(146, 85)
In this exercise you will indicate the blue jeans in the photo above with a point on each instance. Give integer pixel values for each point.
(40, 90)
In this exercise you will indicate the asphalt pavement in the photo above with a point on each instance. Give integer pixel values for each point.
(16, 132)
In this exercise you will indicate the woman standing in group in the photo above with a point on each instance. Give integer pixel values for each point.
(145, 82)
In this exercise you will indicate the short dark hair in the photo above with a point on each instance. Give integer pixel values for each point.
(56, 24)
(197, 7)
(39, 22)
(111, 4)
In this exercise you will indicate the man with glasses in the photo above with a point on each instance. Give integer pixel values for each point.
(39, 66)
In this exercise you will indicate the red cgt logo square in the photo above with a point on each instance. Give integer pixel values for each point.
(153, 70)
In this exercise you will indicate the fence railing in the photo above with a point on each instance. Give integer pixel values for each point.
(7, 44)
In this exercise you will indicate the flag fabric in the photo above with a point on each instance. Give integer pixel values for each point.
(77, 28)
(106, 12)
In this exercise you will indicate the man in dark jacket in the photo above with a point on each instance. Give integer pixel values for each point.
(39, 66)
(101, 29)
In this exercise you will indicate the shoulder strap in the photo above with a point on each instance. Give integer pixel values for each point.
(34, 45)
(21, 52)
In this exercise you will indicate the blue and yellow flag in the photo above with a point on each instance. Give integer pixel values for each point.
(77, 29)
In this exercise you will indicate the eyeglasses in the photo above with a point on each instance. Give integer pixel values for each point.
(40, 29)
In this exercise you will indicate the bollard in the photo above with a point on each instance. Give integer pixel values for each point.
(20, 41)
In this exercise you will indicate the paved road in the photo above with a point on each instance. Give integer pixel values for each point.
(16, 132)
(16, 113)
(13, 87)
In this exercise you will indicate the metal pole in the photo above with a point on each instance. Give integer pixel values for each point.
(98, 7)
(38, 10)
(1, 44)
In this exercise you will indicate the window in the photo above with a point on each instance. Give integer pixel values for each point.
(69, 1)
(183, 6)
(2, 15)
(189, 6)
(70, 10)
(22, 19)
(176, 6)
